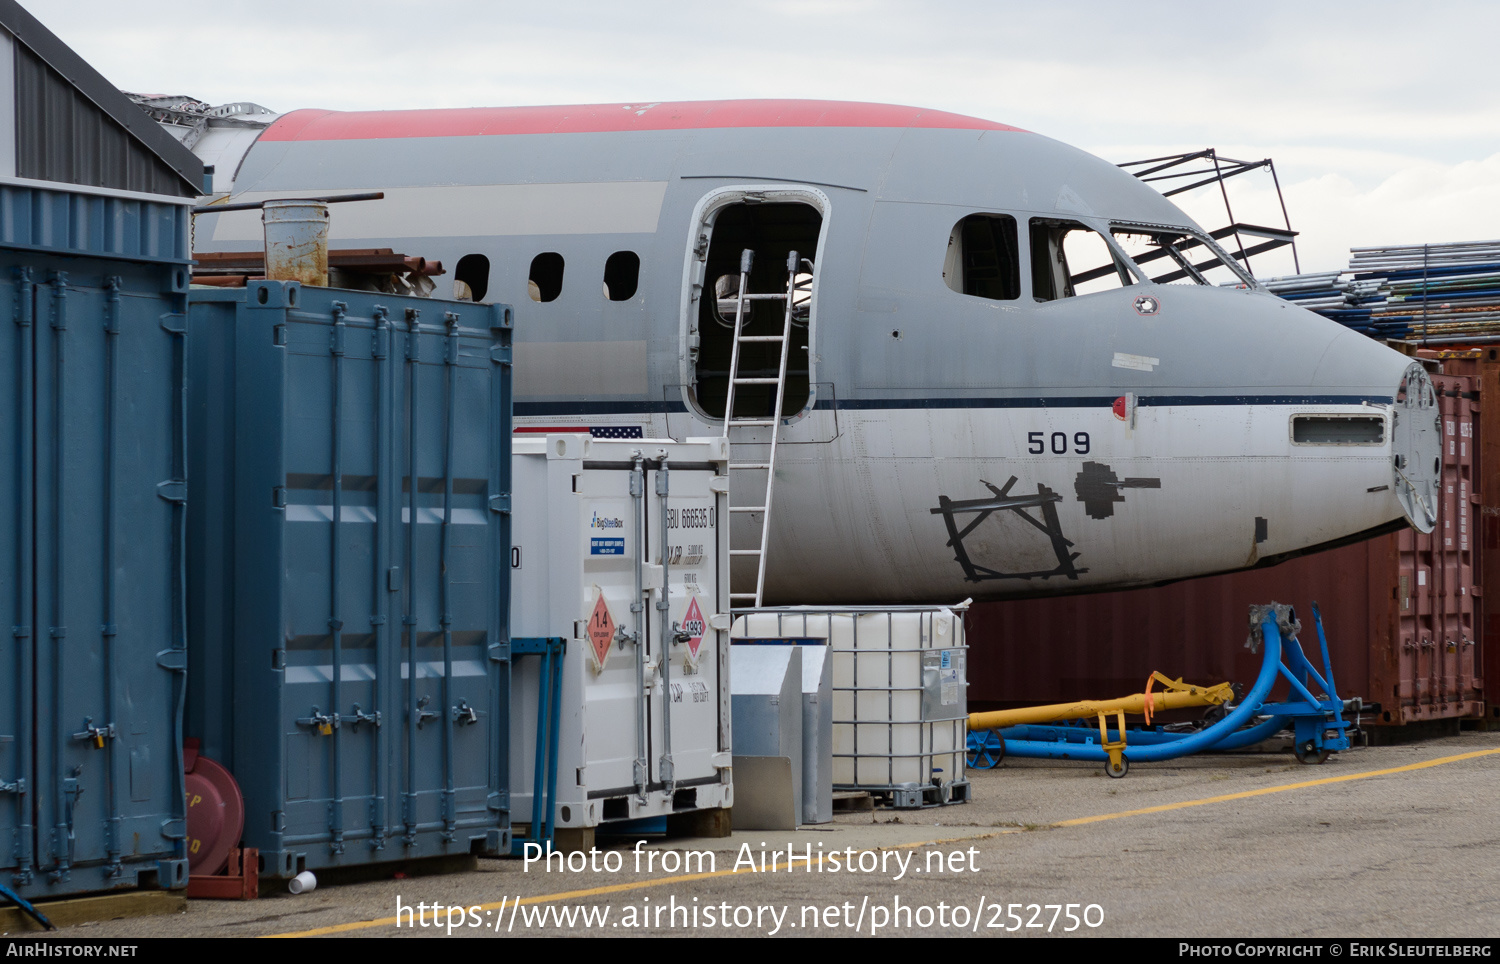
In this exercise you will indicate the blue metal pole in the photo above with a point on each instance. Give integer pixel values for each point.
(556, 660)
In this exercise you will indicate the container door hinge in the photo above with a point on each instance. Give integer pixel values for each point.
(173, 490)
(172, 659)
(500, 503)
(498, 801)
(500, 354)
(175, 323)
(500, 653)
(18, 787)
(174, 829)
(278, 497)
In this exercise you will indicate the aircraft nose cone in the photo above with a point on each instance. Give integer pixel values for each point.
(1417, 448)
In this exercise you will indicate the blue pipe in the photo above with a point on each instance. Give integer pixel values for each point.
(1192, 743)
(1083, 735)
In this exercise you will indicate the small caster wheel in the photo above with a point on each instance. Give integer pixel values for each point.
(1117, 771)
(1308, 754)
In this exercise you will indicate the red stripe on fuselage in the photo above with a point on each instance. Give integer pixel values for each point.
(324, 125)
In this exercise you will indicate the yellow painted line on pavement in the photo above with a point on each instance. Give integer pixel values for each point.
(1075, 822)
(1247, 794)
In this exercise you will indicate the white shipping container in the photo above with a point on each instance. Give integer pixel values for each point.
(589, 526)
(900, 704)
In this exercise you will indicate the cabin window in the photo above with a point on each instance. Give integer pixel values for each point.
(727, 301)
(772, 230)
(622, 275)
(1177, 256)
(1070, 259)
(471, 278)
(982, 260)
(545, 281)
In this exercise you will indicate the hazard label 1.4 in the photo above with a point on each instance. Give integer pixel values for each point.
(692, 624)
(601, 630)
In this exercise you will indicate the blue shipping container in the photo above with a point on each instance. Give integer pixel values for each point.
(348, 589)
(92, 528)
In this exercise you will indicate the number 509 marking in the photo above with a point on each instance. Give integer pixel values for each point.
(1038, 443)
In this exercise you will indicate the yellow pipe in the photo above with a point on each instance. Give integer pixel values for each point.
(1179, 696)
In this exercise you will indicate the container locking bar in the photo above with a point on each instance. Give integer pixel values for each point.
(665, 770)
(322, 723)
(96, 735)
(640, 771)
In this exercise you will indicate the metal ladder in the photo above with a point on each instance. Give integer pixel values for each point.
(789, 296)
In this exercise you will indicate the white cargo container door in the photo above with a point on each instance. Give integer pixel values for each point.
(611, 702)
(693, 569)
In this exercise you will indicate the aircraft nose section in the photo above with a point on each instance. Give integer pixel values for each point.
(1417, 448)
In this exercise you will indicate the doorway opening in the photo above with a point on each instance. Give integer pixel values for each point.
(772, 230)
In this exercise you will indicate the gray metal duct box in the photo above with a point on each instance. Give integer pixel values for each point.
(817, 734)
(765, 686)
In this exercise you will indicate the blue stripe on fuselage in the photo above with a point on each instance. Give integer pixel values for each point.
(664, 407)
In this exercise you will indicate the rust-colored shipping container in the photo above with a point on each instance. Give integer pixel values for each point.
(1400, 610)
(1485, 370)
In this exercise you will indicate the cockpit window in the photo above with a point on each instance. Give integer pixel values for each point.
(1070, 259)
(1176, 256)
(982, 259)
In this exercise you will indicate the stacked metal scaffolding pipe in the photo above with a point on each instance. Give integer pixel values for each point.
(1424, 293)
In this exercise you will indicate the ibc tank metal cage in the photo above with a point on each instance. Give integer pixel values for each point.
(900, 706)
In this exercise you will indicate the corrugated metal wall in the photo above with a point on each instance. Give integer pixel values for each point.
(72, 222)
(1487, 378)
(62, 136)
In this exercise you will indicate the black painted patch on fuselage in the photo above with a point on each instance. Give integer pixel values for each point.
(1045, 501)
(1098, 488)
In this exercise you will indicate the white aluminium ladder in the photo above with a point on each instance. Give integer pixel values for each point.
(772, 421)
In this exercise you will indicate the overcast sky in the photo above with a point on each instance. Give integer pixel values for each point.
(1383, 118)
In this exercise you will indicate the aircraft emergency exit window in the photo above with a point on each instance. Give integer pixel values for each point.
(546, 276)
(1338, 430)
(471, 278)
(982, 259)
(1177, 256)
(1070, 259)
(622, 275)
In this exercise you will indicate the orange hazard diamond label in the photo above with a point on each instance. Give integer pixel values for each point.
(692, 624)
(601, 630)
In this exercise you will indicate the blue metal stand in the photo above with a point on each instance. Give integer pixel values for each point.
(27, 908)
(1319, 724)
(548, 717)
